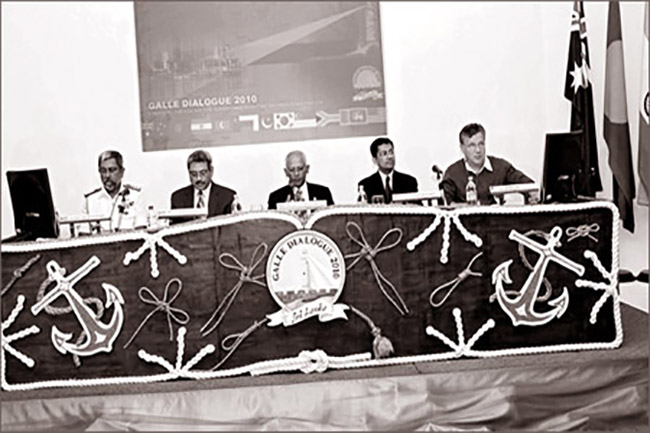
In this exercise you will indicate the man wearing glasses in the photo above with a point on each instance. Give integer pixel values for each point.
(203, 192)
(485, 171)
(119, 200)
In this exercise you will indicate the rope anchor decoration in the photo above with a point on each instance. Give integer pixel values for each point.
(367, 252)
(99, 336)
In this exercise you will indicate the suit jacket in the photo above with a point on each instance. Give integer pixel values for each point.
(316, 192)
(219, 202)
(402, 183)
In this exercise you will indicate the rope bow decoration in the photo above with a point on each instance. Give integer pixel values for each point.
(462, 276)
(179, 316)
(583, 230)
(245, 276)
(367, 252)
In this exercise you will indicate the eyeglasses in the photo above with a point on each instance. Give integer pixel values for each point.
(201, 173)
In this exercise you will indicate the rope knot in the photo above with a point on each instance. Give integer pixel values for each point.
(583, 230)
(368, 253)
(314, 361)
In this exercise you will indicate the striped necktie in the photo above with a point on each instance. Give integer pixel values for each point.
(200, 203)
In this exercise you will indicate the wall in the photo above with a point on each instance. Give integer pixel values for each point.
(69, 91)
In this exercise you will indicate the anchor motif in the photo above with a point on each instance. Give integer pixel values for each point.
(521, 309)
(99, 336)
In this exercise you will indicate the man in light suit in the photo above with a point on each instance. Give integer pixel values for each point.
(202, 192)
(298, 189)
(386, 181)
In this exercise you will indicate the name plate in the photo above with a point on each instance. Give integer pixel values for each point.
(297, 206)
(515, 187)
(190, 212)
(417, 196)
(78, 219)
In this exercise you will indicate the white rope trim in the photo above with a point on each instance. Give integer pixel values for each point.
(609, 288)
(5, 340)
(461, 348)
(218, 221)
(448, 217)
(151, 241)
(179, 370)
(308, 361)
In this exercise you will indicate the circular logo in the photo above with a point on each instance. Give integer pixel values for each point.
(646, 104)
(303, 267)
(366, 77)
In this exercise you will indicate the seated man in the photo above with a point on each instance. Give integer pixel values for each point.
(386, 181)
(202, 192)
(487, 171)
(122, 201)
(298, 190)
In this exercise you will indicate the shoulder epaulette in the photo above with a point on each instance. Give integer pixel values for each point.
(96, 190)
(133, 187)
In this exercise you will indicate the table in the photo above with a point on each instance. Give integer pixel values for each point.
(362, 287)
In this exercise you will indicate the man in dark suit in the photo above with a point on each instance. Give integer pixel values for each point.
(202, 192)
(298, 189)
(386, 181)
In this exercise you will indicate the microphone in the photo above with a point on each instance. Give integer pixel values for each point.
(436, 170)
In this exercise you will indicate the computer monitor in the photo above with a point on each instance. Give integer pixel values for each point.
(562, 166)
(31, 199)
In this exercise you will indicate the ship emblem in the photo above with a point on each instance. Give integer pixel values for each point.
(305, 274)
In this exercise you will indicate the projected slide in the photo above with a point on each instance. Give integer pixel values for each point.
(228, 73)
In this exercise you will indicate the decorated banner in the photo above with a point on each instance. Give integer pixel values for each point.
(347, 287)
(226, 73)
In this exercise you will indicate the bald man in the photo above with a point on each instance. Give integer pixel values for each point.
(296, 169)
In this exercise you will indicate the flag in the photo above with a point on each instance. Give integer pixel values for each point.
(616, 128)
(644, 122)
(578, 90)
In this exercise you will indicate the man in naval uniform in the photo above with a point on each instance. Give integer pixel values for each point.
(121, 201)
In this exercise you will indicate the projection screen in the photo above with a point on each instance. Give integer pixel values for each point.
(229, 73)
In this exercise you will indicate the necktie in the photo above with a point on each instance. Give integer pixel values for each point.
(298, 195)
(389, 191)
(200, 203)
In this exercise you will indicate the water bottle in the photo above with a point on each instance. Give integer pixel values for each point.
(361, 196)
(471, 195)
(151, 217)
(236, 205)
